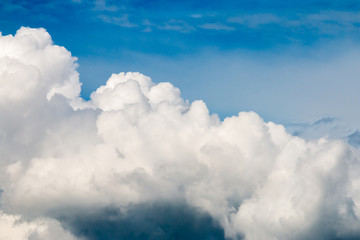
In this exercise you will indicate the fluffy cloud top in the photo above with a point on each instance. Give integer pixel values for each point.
(12, 227)
(137, 145)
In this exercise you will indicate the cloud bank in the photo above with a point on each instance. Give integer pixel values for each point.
(137, 161)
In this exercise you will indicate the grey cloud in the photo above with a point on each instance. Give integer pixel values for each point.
(325, 120)
(145, 221)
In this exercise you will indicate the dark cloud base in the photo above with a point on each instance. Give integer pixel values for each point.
(145, 221)
(159, 221)
(345, 238)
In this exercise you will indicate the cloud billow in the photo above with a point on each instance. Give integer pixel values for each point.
(145, 221)
(137, 161)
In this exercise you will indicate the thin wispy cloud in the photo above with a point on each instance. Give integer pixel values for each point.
(122, 21)
(326, 22)
(196, 15)
(255, 20)
(176, 25)
(216, 26)
(102, 5)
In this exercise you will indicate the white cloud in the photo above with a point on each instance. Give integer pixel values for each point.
(32, 66)
(137, 142)
(12, 227)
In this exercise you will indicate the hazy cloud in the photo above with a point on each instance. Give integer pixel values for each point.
(354, 138)
(101, 5)
(122, 21)
(176, 25)
(216, 26)
(326, 22)
(256, 20)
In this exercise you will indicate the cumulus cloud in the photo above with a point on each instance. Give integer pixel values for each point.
(12, 227)
(137, 161)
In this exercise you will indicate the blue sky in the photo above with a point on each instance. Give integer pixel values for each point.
(289, 61)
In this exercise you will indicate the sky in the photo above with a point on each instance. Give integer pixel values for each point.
(234, 55)
(233, 120)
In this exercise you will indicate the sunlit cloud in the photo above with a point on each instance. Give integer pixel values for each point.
(137, 161)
